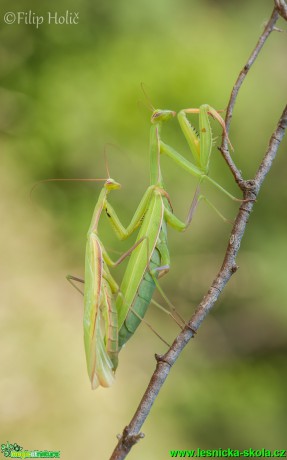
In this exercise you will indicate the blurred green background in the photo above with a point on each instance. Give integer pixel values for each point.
(67, 90)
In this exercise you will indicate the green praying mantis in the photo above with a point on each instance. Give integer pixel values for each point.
(112, 313)
(99, 307)
(100, 314)
(140, 278)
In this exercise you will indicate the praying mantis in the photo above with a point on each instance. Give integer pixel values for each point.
(100, 287)
(112, 314)
(150, 256)
(146, 264)
(100, 315)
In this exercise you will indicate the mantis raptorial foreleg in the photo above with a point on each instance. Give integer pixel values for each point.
(200, 145)
(139, 292)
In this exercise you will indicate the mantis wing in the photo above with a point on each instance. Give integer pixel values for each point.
(99, 364)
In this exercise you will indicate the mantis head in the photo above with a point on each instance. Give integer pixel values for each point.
(162, 115)
(111, 184)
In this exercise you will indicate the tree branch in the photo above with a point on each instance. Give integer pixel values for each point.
(241, 77)
(131, 434)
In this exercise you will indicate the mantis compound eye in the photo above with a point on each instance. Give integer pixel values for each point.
(111, 184)
(162, 115)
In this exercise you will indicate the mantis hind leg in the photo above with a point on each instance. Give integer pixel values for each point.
(212, 206)
(196, 199)
(72, 280)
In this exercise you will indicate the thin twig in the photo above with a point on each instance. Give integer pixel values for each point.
(131, 434)
(241, 77)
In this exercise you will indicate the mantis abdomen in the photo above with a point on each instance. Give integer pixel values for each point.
(141, 301)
